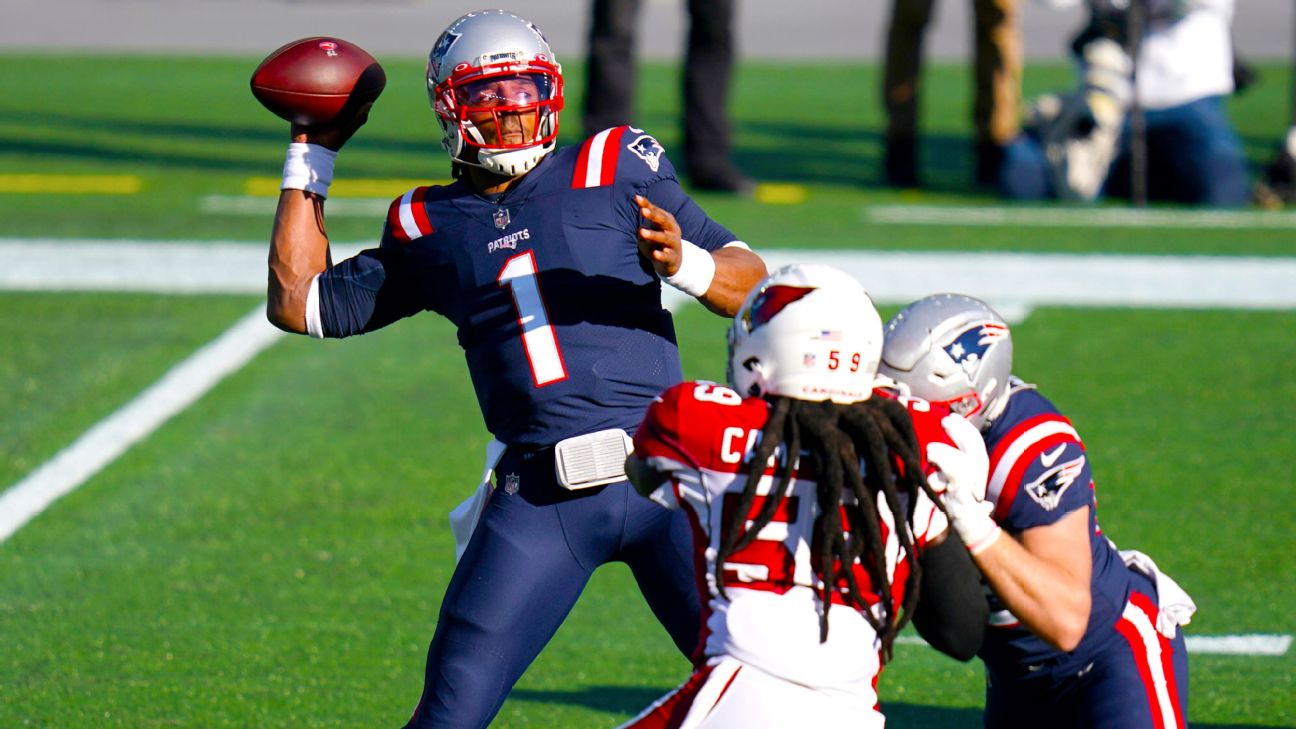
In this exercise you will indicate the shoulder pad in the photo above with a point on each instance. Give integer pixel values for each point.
(623, 152)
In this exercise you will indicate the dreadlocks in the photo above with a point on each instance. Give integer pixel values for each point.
(836, 438)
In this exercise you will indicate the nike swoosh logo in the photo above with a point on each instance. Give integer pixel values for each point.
(1048, 459)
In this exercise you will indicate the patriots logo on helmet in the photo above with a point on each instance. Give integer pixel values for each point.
(648, 150)
(443, 45)
(969, 348)
(1047, 490)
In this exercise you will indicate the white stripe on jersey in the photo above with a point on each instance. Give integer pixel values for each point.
(407, 216)
(594, 163)
(1018, 448)
(1151, 639)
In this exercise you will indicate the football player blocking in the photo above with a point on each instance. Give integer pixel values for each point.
(550, 264)
(1082, 635)
(815, 533)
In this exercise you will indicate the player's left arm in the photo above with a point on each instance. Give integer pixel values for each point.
(1043, 575)
(720, 278)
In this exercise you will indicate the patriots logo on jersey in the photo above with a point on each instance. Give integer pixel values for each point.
(647, 149)
(439, 52)
(1047, 490)
(969, 348)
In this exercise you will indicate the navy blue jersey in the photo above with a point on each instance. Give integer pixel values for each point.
(1039, 473)
(559, 317)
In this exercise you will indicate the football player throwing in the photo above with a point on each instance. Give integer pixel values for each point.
(550, 264)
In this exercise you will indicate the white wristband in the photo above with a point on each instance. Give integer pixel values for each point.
(696, 271)
(308, 167)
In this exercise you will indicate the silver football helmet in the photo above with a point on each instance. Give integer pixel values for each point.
(954, 350)
(808, 332)
(496, 88)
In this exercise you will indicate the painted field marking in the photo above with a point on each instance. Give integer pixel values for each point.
(1076, 217)
(71, 184)
(99, 446)
(384, 189)
(1013, 282)
(774, 193)
(1258, 644)
(264, 206)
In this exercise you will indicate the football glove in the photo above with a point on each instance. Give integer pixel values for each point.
(963, 470)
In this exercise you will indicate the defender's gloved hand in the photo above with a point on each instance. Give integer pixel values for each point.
(961, 481)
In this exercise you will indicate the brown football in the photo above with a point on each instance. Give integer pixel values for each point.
(314, 80)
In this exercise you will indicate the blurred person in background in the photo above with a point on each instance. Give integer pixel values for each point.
(708, 72)
(1078, 145)
(997, 73)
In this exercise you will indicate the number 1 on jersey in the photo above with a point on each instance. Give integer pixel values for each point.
(519, 274)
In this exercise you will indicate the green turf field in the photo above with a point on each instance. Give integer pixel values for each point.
(274, 556)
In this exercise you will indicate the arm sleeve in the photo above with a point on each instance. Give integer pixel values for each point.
(368, 291)
(952, 609)
(695, 225)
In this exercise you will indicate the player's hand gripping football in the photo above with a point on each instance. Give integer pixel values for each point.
(961, 482)
(659, 238)
(335, 133)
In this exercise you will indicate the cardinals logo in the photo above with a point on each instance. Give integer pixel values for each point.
(969, 348)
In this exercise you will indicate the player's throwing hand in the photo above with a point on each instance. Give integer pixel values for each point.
(659, 238)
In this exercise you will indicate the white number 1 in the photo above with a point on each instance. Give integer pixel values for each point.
(519, 274)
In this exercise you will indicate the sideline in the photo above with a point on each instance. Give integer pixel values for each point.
(1251, 644)
(1078, 217)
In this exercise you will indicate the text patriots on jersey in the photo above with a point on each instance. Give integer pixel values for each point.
(1047, 490)
(509, 241)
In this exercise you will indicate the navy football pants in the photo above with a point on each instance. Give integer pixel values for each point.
(1137, 679)
(526, 564)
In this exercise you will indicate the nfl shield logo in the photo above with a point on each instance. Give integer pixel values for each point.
(511, 483)
(501, 218)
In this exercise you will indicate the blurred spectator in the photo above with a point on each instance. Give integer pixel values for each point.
(1077, 145)
(998, 73)
(708, 68)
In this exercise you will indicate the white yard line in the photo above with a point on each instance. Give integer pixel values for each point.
(1077, 217)
(102, 444)
(1219, 645)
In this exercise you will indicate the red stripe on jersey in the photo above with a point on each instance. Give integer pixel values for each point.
(1013, 484)
(604, 149)
(1164, 667)
(670, 711)
(1006, 442)
(419, 210)
(582, 164)
(394, 221)
(1149, 608)
(611, 153)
